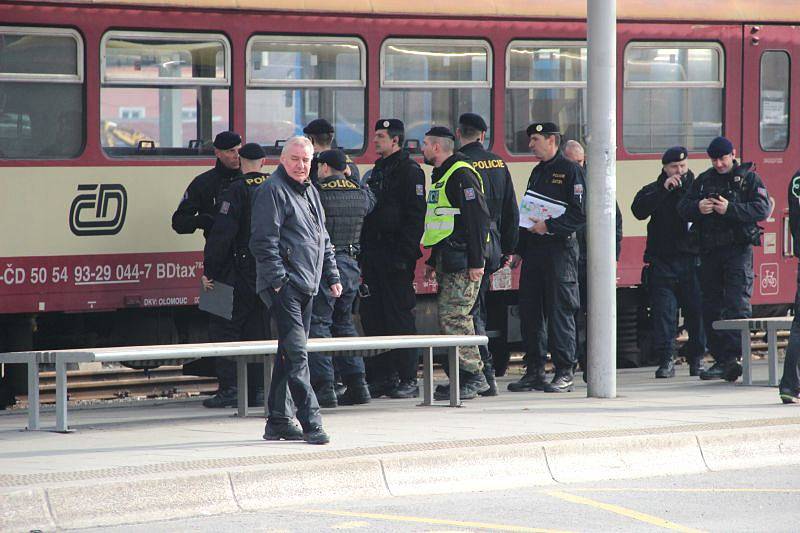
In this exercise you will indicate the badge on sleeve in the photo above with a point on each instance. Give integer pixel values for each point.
(224, 207)
(796, 187)
(578, 189)
(420, 189)
(763, 191)
(469, 193)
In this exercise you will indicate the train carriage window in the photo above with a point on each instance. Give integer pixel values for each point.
(41, 93)
(294, 80)
(432, 82)
(774, 94)
(545, 81)
(673, 96)
(162, 76)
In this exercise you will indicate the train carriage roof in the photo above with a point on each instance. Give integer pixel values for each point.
(697, 10)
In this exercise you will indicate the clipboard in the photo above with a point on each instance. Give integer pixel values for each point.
(540, 207)
(219, 301)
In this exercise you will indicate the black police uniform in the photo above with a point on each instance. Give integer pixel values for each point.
(726, 244)
(390, 247)
(355, 174)
(227, 258)
(548, 286)
(346, 204)
(789, 387)
(672, 272)
(501, 200)
(197, 208)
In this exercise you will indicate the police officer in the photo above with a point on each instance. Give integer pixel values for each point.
(724, 204)
(456, 230)
(573, 150)
(789, 387)
(673, 261)
(548, 286)
(390, 247)
(227, 258)
(346, 204)
(501, 200)
(197, 210)
(321, 133)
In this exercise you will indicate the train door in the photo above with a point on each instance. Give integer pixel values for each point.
(771, 56)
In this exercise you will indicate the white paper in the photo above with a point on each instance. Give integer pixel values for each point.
(540, 207)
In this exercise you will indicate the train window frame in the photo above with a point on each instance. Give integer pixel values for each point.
(253, 83)
(788, 128)
(638, 84)
(485, 84)
(77, 78)
(225, 81)
(146, 148)
(511, 84)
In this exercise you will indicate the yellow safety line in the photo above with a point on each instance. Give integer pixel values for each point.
(690, 490)
(642, 517)
(437, 521)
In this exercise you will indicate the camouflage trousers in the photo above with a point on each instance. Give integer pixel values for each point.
(457, 295)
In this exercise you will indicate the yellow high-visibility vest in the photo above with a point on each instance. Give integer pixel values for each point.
(440, 216)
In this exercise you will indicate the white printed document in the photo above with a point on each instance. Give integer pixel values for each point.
(540, 207)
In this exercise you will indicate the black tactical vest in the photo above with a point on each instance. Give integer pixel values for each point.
(345, 208)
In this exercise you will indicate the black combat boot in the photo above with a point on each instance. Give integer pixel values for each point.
(282, 430)
(326, 396)
(356, 391)
(729, 371)
(666, 369)
(534, 379)
(470, 386)
(488, 372)
(405, 389)
(562, 382)
(226, 397)
(382, 388)
(695, 365)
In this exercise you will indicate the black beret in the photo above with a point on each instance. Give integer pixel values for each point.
(227, 140)
(390, 123)
(473, 121)
(675, 154)
(252, 151)
(440, 131)
(318, 126)
(719, 147)
(334, 158)
(542, 128)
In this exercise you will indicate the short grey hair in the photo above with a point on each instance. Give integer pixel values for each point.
(573, 145)
(299, 140)
(445, 143)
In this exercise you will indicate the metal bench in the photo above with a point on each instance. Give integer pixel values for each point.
(745, 325)
(245, 352)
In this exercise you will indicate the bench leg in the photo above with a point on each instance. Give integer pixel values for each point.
(455, 399)
(62, 424)
(427, 377)
(241, 386)
(772, 355)
(33, 395)
(269, 362)
(747, 377)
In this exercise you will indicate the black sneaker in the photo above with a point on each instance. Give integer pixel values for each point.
(226, 397)
(732, 372)
(316, 435)
(666, 370)
(562, 382)
(326, 396)
(406, 389)
(534, 379)
(287, 430)
(789, 396)
(727, 371)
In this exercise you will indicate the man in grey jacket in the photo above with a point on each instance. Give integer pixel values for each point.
(293, 253)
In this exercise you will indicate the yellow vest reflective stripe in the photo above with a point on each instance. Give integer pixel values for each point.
(440, 216)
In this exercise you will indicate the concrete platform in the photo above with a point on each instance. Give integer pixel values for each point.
(157, 460)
